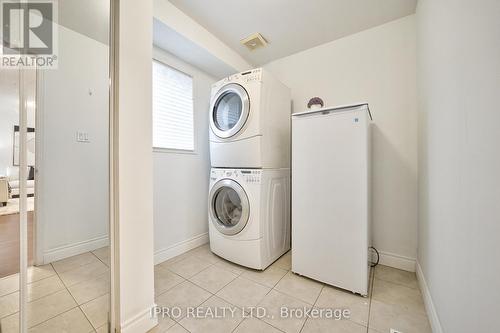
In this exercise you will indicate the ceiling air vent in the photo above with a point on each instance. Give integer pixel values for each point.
(254, 41)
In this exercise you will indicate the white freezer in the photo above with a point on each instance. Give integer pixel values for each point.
(331, 196)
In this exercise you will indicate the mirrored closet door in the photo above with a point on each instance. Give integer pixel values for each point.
(54, 167)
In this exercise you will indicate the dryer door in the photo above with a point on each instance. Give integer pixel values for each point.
(230, 108)
(229, 207)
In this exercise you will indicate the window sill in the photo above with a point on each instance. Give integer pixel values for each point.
(174, 151)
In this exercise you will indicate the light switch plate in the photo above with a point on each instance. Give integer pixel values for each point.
(82, 137)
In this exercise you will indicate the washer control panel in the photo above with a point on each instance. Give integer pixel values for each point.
(251, 176)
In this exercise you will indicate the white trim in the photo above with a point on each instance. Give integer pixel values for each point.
(69, 250)
(114, 299)
(397, 261)
(174, 151)
(23, 219)
(429, 304)
(141, 322)
(39, 160)
(181, 247)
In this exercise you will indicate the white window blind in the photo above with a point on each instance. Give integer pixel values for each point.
(173, 126)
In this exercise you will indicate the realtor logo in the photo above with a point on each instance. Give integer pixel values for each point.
(28, 34)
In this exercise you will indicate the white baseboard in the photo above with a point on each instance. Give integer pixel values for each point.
(397, 261)
(73, 249)
(181, 247)
(142, 322)
(429, 304)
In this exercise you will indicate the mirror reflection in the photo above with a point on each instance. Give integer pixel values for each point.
(67, 180)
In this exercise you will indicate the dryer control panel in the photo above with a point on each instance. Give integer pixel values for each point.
(241, 175)
(254, 75)
(250, 76)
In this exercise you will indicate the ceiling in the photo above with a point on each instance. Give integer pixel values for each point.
(290, 26)
(183, 48)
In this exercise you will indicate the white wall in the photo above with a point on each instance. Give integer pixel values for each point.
(376, 66)
(73, 176)
(459, 162)
(181, 179)
(133, 243)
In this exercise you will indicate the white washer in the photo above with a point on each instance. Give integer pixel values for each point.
(250, 121)
(249, 215)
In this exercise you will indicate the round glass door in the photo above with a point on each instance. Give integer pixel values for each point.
(229, 207)
(227, 111)
(230, 108)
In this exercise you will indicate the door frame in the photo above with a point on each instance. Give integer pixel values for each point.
(38, 209)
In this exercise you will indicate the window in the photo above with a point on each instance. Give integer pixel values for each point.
(173, 123)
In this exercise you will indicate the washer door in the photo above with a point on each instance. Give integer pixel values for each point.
(230, 108)
(229, 207)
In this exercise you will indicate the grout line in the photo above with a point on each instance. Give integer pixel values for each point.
(77, 305)
(262, 284)
(279, 329)
(183, 327)
(315, 301)
(211, 293)
(87, 317)
(65, 289)
(34, 300)
(271, 289)
(296, 298)
(236, 306)
(163, 292)
(44, 296)
(49, 294)
(215, 294)
(234, 329)
(228, 270)
(397, 284)
(259, 283)
(195, 306)
(55, 317)
(16, 291)
(184, 280)
(92, 252)
(303, 325)
(92, 299)
(79, 267)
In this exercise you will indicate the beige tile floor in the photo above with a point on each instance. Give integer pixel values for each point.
(70, 295)
(200, 279)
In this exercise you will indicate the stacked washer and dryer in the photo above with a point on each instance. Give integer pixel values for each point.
(249, 199)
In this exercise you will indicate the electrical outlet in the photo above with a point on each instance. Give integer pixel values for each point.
(395, 331)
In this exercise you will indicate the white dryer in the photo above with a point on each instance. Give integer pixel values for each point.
(249, 215)
(250, 121)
